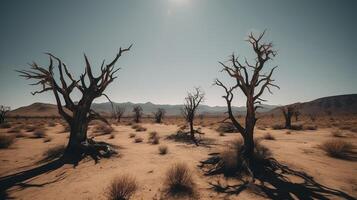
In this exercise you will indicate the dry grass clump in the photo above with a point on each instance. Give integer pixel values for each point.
(338, 148)
(310, 127)
(138, 128)
(15, 129)
(163, 149)
(297, 127)
(47, 139)
(122, 188)
(227, 127)
(288, 132)
(30, 128)
(53, 153)
(132, 135)
(112, 136)
(39, 133)
(6, 141)
(5, 125)
(154, 138)
(277, 126)
(337, 133)
(268, 136)
(138, 140)
(179, 181)
(51, 124)
(103, 129)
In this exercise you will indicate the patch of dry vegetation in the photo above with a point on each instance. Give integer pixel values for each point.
(6, 141)
(138, 140)
(5, 125)
(122, 188)
(138, 128)
(163, 149)
(39, 133)
(338, 148)
(154, 138)
(227, 127)
(268, 136)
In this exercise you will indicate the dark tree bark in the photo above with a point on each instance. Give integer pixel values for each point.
(138, 113)
(251, 80)
(159, 115)
(288, 112)
(77, 115)
(119, 112)
(192, 101)
(3, 111)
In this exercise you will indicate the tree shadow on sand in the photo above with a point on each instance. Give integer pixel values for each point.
(275, 182)
(22, 179)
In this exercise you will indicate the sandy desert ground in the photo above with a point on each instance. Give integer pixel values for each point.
(299, 150)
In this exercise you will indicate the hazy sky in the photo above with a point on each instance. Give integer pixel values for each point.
(178, 43)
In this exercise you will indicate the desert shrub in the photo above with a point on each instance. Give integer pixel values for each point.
(179, 181)
(122, 188)
(30, 128)
(138, 140)
(180, 136)
(6, 141)
(288, 132)
(103, 129)
(138, 128)
(337, 148)
(163, 149)
(277, 126)
(39, 133)
(296, 127)
(337, 133)
(112, 136)
(51, 124)
(227, 127)
(5, 125)
(53, 153)
(268, 136)
(222, 134)
(154, 138)
(15, 129)
(310, 127)
(47, 139)
(183, 127)
(131, 135)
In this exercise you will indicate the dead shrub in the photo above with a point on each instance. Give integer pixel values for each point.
(138, 140)
(6, 141)
(268, 136)
(122, 188)
(51, 124)
(337, 148)
(15, 129)
(179, 181)
(163, 149)
(288, 132)
(154, 138)
(131, 135)
(103, 129)
(227, 127)
(138, 128)
(5, 125)
(278, 126)
(39, 133)
(112, 136)
(30, 128)
(296, 127)
(47, 139)
(337, 133)
(310, 127)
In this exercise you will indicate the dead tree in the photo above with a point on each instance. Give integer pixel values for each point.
(77, 114)
(119, 112)
(192, 101)
(288, 112)
(138, 113)
(253, 82)
(3, 111)
(159, 115)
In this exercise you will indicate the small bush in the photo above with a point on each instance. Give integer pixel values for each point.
(337, 148)
(222, 134)
(51, 124)
(103, 129)
(122, 188)
(138, 140)
(278, 127)
(310, 127)
(337, 133)
(6, 141)
(39, 133)
(288, 132)
(30, 128)
(5, 125)
(179, 181)
(53, 153)
(296, 127)
(131, 135)
(47, 139)
(154, 138)
(15, 129)
(227, 127)
(163, 149)
(268, 136)
(112, 136)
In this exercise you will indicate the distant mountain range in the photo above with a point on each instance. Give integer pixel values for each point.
(342, 104)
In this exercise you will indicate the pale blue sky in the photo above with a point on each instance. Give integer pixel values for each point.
(178, 43)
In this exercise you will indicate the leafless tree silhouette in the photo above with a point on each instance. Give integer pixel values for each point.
(119, 112)
(3, 111)
(253, 82)
(159, 115)
(192, 101)
(79, 114)
(138, 113)
(288, 112)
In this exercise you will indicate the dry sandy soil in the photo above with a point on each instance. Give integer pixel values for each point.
(299, 151)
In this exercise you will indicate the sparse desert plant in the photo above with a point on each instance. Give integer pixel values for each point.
(131, 135)
(268, 136)
(138, 113)
(138, 140)
(15, 129)
(6, 141)
(103, 129)
(51, 124)
(179, 181)
(163, 149)
(53, 153)
(277, 126)
(47, 139)
(159, 115)
(221, 134)
(5, 125)
(119, 112)
(337, 133)
(227, 127)
(138, 128)
(337, 148)
(310, 127)
(30, 128)
(288, 132)
(112, 136)
(39, 133)
(296, 127)
(153, 137)
(122, 188)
